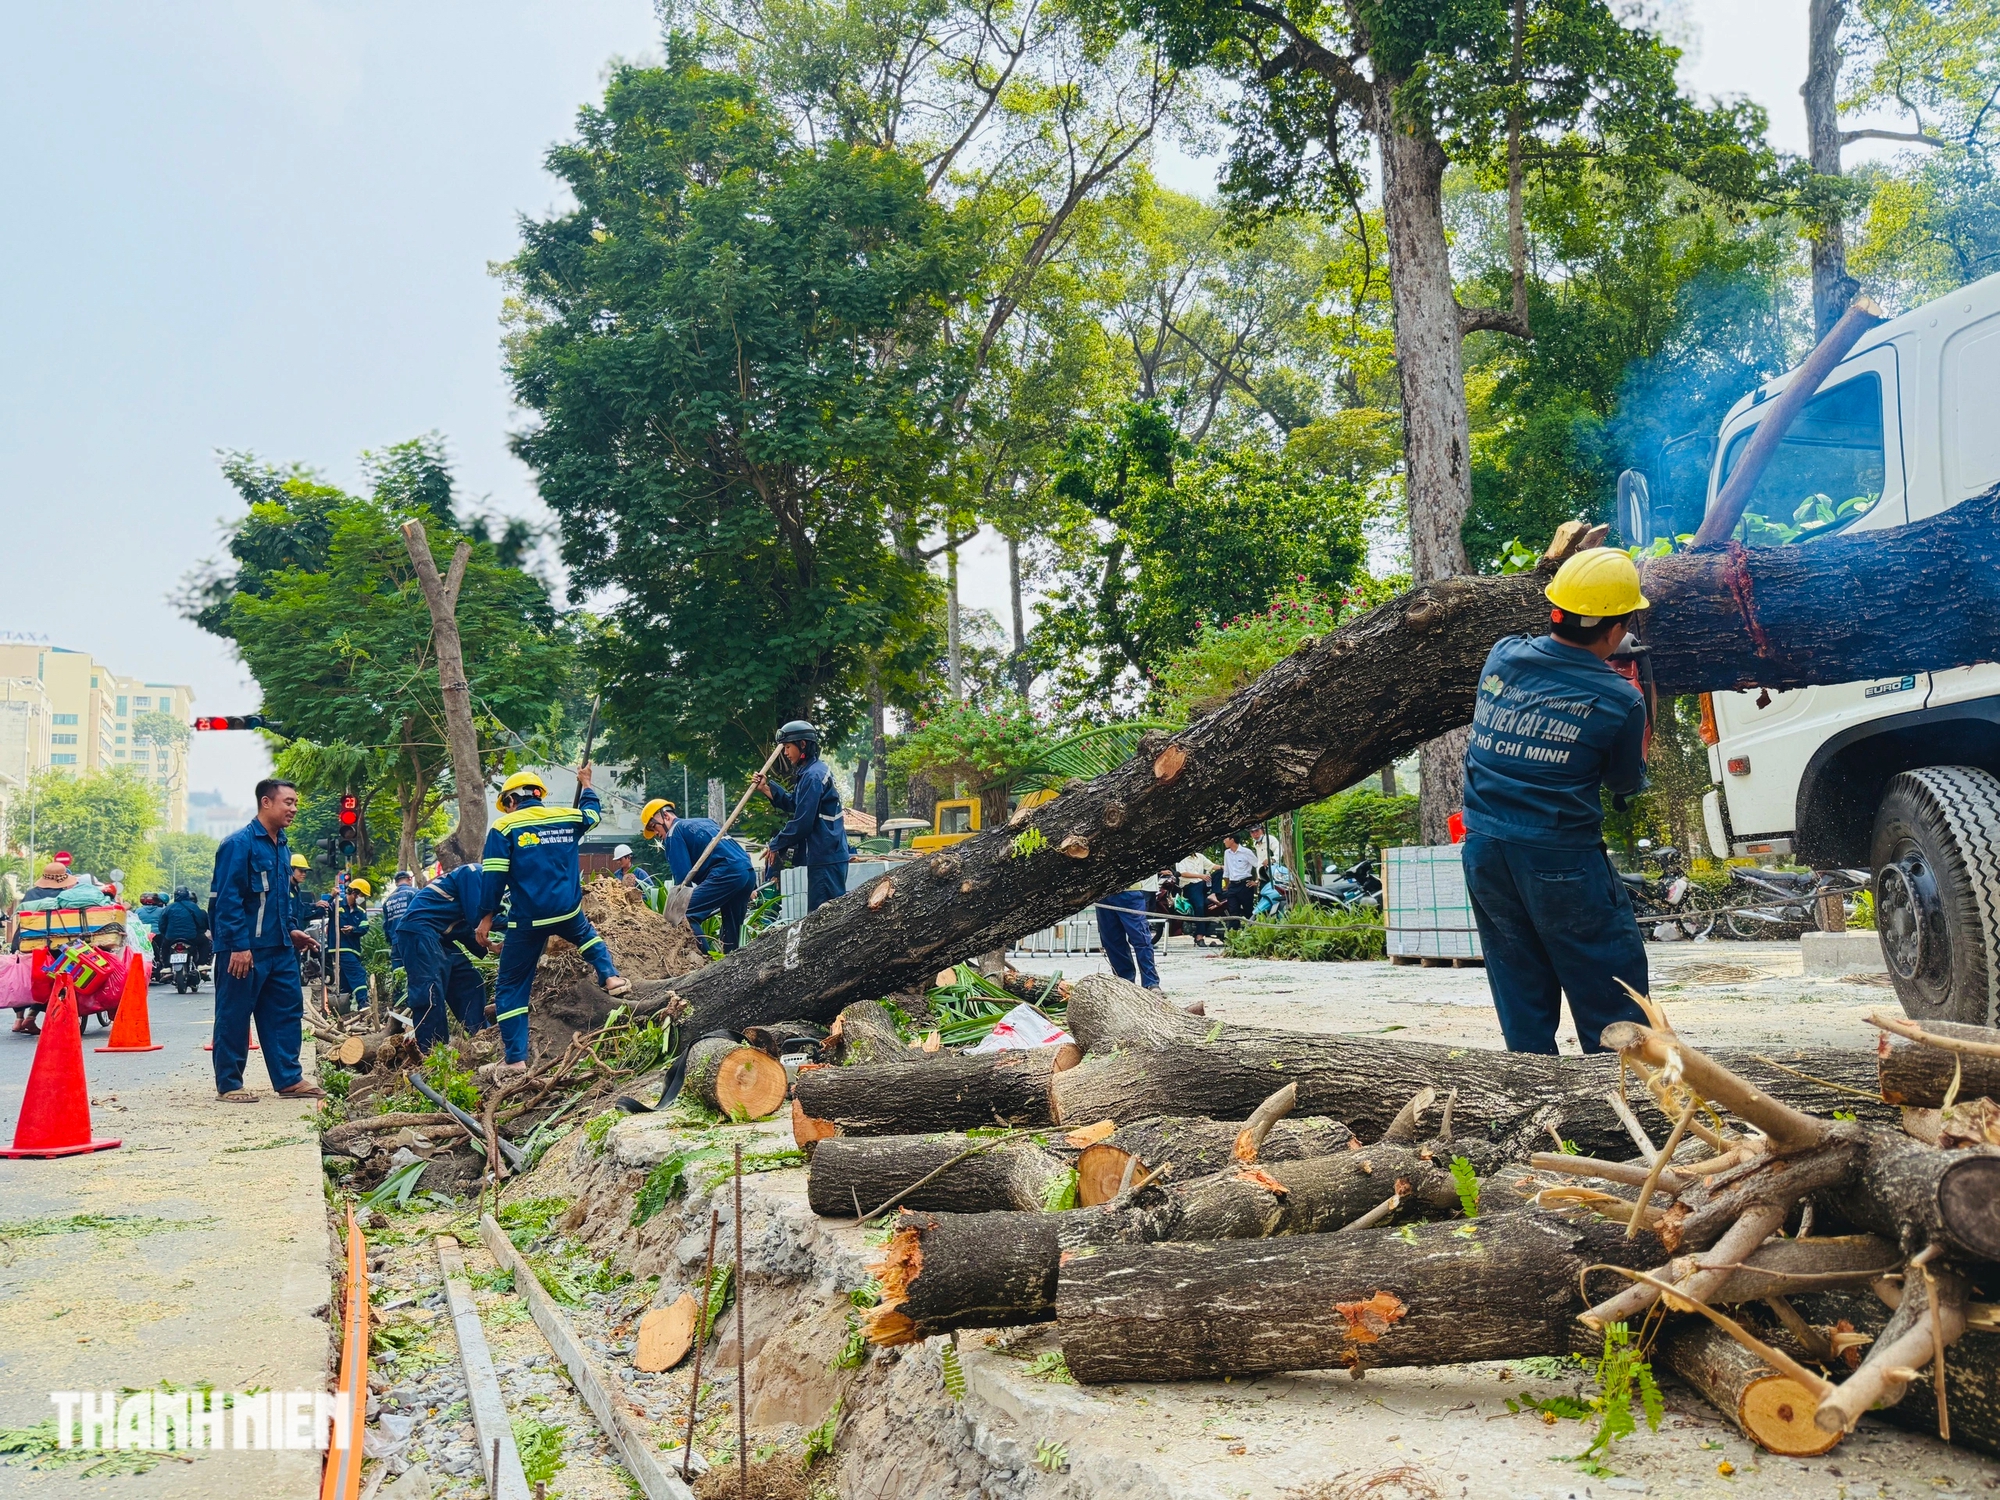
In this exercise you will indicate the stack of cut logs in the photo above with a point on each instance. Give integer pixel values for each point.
(1802, 1236)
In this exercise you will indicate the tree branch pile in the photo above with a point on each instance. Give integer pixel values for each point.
(1789, 1249)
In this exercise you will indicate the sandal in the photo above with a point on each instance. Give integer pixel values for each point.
(238, 1096)
(302, 1090)
(617, 985)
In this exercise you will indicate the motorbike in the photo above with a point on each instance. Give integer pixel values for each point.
(1672, 906)
(1359, 885)
(1793, 896)
(182, 967)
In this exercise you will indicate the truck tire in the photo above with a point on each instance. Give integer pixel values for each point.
(1936, 860)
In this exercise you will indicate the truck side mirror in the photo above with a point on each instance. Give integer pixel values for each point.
(1635, 509)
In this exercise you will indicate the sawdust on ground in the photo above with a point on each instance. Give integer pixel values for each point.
(643, 945)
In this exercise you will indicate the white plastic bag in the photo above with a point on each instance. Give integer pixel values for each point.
(1023, 1029)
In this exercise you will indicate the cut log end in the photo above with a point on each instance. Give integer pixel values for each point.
(1776, 1413)
(808, 1132)
(746, 1084)
(902, 1262)
(351, 1050)
(1969, 1204)
(665, 1335)
(1099, 1171)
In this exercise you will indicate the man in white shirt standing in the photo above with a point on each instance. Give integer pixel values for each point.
(1239, 877)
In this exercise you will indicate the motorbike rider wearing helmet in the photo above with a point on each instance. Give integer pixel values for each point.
(816, 836)
(185, 922)
(531, 859)
(1552, 723)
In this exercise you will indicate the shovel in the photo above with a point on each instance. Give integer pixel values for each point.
(683, 892)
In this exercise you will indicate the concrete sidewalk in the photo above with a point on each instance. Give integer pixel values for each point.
(210, 1266)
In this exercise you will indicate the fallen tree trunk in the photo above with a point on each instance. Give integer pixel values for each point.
(734, 1080)
(1876, 604)
(965, 1174)
(1971, 1371)
(864, 1033)
(934, 1093)
(1344, 1077)
(1196, 1146)
(942, 1271)
(1918, 1076)
(1501, 1287)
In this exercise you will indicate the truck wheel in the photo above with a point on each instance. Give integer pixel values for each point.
(1936, 856)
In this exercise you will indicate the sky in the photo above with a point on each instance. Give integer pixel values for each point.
(268, 225)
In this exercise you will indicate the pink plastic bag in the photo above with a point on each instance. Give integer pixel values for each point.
(16, 987)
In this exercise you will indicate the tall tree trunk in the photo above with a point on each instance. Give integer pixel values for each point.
(1840, 610)
(1024, 676)
(1832, 287)
(877, 721)
(859, 800)
(1389, 781)
(1437, 432)
(922, 796)
(954, 668)
(468, 773)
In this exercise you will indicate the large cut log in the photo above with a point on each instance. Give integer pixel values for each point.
(935, 1093)
(737, 1082)
(1772, 1410)
(943, 1271)
(1860, 605)
(1503, 1286)
(1971, 1371)
(954, 1173)
(865, 1033)
(1348, 1077)
(1196, 1146)
(1920, 1076)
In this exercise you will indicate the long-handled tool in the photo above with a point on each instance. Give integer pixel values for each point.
(683, 893)
(589, 733)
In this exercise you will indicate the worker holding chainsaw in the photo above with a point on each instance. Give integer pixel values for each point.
(1553, 723)
(531, 858)
(723, 882)
(816, 836)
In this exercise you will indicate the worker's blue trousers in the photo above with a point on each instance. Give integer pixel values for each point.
(1553, 922)
(269, 992)
(727, 892)
(443, 983)
(518, 957)
(1127, 939)
(823, 884)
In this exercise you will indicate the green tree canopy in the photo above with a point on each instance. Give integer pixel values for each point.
(733, 347)
(103, 818)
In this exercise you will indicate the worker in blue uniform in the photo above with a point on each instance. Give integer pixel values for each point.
(435, 935)
(257, 969)
(725, 881)
(531, 860)
(1552, 723)
(816, 836)
(352, 918)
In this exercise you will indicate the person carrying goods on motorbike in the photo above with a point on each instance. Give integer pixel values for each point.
(531, 859)
(185, 922)
(437, 930)
(1551, 724)
(816, 836)
(725, 880)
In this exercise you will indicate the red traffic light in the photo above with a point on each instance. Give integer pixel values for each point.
(234, 721)
(350, 809)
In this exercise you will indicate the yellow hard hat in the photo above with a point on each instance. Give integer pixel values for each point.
(358, 884)
(1596, 583)
(300, 862)
(522, 781)
(652, 810)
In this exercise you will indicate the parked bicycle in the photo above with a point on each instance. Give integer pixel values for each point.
(1793, 897)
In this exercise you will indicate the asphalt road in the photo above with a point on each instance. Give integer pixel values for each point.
(208, 1265)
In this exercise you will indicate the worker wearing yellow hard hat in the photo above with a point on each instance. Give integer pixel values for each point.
(725, 881)
(1554, 725)
(530, 859)
(351, 923)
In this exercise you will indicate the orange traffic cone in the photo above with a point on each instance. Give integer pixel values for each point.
(55, 1110)
(132, 1026)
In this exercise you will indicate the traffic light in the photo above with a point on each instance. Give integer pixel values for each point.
(329, 850)
(350, 809)
(232, 721)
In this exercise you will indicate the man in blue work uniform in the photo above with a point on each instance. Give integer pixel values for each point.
(353, 922)
(439, 924)
(725, 880)
(401, 894)
(257, 970)
(531, 858)
(1551, 724)
(816, 836)
(622, 865)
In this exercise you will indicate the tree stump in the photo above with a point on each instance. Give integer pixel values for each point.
(864, 1033)
(737, 1082)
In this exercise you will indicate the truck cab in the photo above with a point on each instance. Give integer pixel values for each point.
(1898, 775)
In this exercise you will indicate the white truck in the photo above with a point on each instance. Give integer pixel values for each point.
(1899, 775)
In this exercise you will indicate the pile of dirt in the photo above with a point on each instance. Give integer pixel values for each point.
(642, 944)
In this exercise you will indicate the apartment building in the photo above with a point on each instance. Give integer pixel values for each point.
(95, 719)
